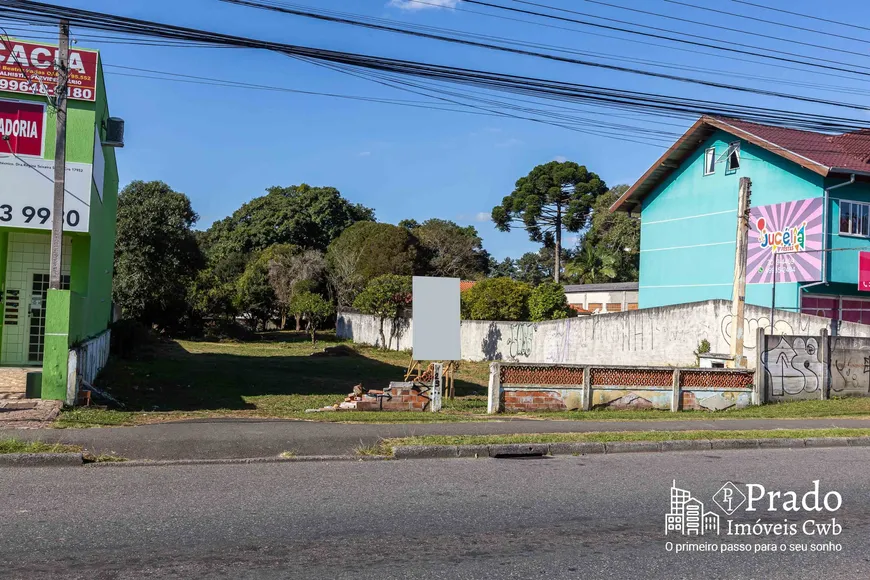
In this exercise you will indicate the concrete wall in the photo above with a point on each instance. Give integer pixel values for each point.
(654, 336)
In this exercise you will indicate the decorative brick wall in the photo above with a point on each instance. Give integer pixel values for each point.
(518, 387)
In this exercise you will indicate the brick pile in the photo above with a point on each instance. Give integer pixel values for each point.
(396, 397)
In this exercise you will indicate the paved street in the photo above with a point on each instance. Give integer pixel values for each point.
(240, 438)
(567, 517)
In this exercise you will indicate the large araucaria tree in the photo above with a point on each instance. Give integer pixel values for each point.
(553, 197)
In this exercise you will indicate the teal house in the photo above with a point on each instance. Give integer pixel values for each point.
(809, 192)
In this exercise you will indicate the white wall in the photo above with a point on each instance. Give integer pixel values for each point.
(667, 335)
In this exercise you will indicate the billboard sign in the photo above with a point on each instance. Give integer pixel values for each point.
(864, 271)
(22, 128)
(27, 193)
(792, 229)
(28, 68)
(435, 312)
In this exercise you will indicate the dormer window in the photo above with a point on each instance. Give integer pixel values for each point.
(710, 161)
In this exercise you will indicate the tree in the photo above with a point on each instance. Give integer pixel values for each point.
(409, 224)
(156, 254)
(504, 269)
(380, 249)
(452, 250)
(313, 308)
(548, 302)
(552, 197)
(497, 299)
(610, 248)
(301, 215)
(288, 268)
(345, 279)
(254, 298)
(386, 297)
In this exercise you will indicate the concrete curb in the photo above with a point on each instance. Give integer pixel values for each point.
(40, 459)
(245, 461)
(582, 448)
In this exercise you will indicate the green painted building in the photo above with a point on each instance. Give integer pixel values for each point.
(40, 326)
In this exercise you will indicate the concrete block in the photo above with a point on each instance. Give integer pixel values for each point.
(473, 450)
(632, 446)
(693, 445)
(734, 444)
(826, 442)
(425, 451)
(518, 449)
(576, 448)
(40, 459)
(780, 443)
(859, 441)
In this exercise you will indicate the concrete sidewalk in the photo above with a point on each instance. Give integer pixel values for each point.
(241, 438)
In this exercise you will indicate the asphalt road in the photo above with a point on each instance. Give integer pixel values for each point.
(568, 517)
(240, 438)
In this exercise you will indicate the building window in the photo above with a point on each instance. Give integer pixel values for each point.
(733, 154)
(854, 218)
(710, 161)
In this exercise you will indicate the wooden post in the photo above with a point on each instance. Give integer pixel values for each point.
(56, 252)
(760, 375)
(825, 346)
(676, 394)
(739, 293)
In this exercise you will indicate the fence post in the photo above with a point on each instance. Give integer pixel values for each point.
(72, 377)
(676, 395)
(587, 388)
(494, 395)
(760, 376)
(825, 345)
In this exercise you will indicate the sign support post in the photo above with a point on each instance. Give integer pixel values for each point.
(62, 64)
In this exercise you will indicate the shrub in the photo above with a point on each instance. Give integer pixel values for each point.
(386, 297)
(497, 299)
(548, 302)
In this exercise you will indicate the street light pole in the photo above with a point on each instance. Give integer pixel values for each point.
(773, 294)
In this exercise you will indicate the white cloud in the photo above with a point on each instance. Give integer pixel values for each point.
(512, 142)
(560, 158)
(364, 153)
(422, 4)
(482, 217)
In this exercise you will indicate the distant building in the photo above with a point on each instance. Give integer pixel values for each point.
(602, 298)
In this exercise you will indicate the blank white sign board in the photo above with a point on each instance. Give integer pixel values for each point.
(435, 310)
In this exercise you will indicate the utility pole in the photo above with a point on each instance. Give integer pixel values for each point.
(62, 65)
(739, 295)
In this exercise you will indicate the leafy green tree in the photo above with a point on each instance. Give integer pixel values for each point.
(255, 299)
(378, 249)
(156, 254)
(504, 269)
(552, 197)
(301, 215)
(288, 269)
(451, 250)
(386, 297)
(609, 250)
(409, 224)
(314, 308)
(548, 302)
(497, 299)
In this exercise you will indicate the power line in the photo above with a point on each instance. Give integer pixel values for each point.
(292, 11)
(41, 13)
(802, 15)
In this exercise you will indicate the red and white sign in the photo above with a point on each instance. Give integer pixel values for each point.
(864, 271)
(22, 128)
(28, 67)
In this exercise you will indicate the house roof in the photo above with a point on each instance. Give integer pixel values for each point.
(611, 287)
(821, 153)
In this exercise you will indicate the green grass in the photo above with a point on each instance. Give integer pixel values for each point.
(603, 437)
(16, 446)
(275, 377)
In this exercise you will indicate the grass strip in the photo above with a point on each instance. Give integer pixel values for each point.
(16, 446)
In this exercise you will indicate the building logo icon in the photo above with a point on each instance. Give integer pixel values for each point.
(687, 515)
(729, 498)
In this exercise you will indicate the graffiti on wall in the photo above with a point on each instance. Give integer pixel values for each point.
(793, 367)
(521, 339)
(751, 325)
(850, 366)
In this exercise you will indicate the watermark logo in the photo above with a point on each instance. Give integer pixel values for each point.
(687, 515)
(729, 498)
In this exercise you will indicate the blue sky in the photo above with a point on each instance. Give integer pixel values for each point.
(223, 146)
